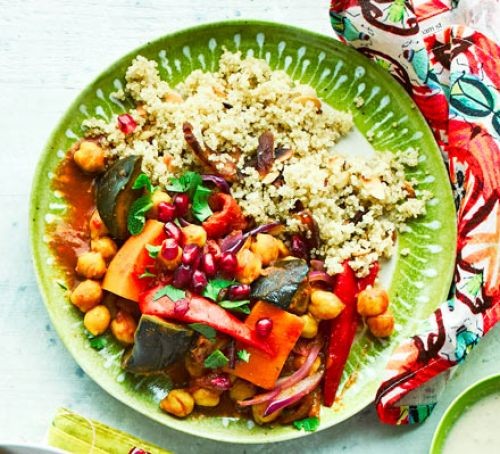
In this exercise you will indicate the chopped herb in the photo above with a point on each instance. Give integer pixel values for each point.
(187, 182)
(143, 182)
(216, 360)
(214, 286)
(137, 214)
(173, 293)
(146, 274)
(243, 355)
(201, 208)
(98, 343)
(204, 330)
(237, 306)
(307, 424)
(153, 250)
(62, 285)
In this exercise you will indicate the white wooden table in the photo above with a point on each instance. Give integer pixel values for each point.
(49, 51)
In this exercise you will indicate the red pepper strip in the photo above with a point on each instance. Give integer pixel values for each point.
(341, 334)
(200, 310)
(370, 278)
(228, 216)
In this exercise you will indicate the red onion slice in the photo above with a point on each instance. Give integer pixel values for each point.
(291, 395)
(321, 276)
(235, 240)
(300, 373)
(218, 181)
(259, 399)
(317, 265)
(285, 382)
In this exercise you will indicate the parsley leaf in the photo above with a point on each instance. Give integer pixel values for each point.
(153, 250)
(169, 290)
(243, 355)
(307, 424)
(137, 214)
(236, 306)
(201, 208)
(216, 360)
(214, 286)
(146, 274)
(204, 330)
(187, 182)
(143, 181)
(98, 343)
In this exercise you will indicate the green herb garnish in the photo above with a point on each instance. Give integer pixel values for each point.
(216, 360)
(98, 343)
(201, 208)
(62, 285)
(236, 306)
(187, 182)
(204, 330)
(243, 355)
(137, 214)
(146, 274)
(214, 286)
(173, 293)
(143, 182)
(153, 250)
(307, 424)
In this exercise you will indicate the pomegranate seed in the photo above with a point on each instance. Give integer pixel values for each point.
(214, 249)
(166, 212)
(173, 231)
(228, 263)
(208, 264)
(181, 202)
(169, 249)
(190, 254)
(138, 451)
(199, 281)
(298, 247)
(182, 277)
(126, 123)
(239, 292)
(263, 327)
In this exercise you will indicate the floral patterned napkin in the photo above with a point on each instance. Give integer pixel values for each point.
(453, 74)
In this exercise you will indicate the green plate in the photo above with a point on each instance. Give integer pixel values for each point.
(477, 391)
(420, 280)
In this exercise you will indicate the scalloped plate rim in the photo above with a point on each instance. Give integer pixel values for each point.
(251, 438)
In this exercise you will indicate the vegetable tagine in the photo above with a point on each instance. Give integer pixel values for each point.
(244, 313)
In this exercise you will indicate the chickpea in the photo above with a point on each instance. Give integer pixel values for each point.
(325, 305)
(242, 390)
(123, 327)
(97, 226)
(97, 320)
(91, 265)
(258, 414)
(104, 246)
(86, 295)
(381, 325)
(283, 250)
(310, 329)
(300, 360)
(206, 398)
(90, 157)
(158, 197)
(194, 234)
(372, 301)
(178, 402)
(249, 266)
(266, 247)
